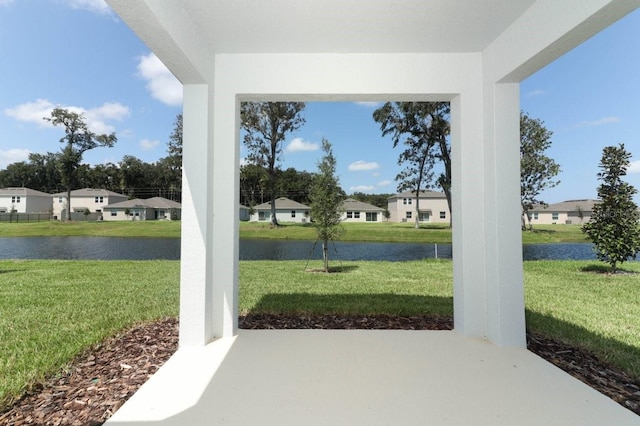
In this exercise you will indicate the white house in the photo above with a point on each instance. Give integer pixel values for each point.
(470, 53)
(358, 211)
(91, 199)
(156, 208)
(24, 200)
(432, 207)
(286, 211)
(244, 213)
(565, 212)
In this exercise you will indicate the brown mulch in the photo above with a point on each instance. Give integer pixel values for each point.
(100, 381)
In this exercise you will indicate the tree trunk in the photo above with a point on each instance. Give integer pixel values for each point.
(417, 211)
(325, 256)
(68, 204)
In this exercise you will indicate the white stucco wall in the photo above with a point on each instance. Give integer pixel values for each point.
(300, 216)
(25, 203)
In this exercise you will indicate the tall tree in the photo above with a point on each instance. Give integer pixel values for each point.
(537, 171)
(326, 197)
(266, 125)
(614, 228)
(425, 129)
(174, 160)
(46, 171)
(78, 139)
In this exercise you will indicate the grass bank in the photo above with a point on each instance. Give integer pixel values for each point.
(372, 232)
(53, 310)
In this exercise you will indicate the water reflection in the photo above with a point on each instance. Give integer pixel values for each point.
(114, 248)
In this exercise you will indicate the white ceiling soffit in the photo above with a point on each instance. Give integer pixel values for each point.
(351, 26)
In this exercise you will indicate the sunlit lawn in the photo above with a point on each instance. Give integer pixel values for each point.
(54, 310)
(373, 232)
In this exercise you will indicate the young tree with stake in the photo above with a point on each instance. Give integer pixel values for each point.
(326, 197)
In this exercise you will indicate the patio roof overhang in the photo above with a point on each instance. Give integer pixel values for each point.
(469, 52)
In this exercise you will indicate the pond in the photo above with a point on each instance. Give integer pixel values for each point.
(116, 248)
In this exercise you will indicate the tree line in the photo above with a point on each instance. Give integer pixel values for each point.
(421, 128)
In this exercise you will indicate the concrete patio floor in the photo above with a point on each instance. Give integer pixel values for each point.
(363, 377)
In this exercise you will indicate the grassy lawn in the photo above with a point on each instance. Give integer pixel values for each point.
(146, 228)
(373, 232)
(53, 310)
(50, 311)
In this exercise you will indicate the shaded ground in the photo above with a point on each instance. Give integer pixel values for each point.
(100, 381)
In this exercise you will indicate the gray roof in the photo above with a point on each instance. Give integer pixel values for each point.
(354, 205)
(23, 192)
(423, 194)
(89, 192)
(567, 206)
(282, 203)
(153, 203)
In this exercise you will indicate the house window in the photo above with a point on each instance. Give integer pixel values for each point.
(554, 216)
(114, 213)
(15, 199)
(293, 213)
(59, 199)
(349, 215)
(408, 215)
(424, 216)
(406, 201)
(443, 215)
(356, 215)
(98, 199)
(262, 215)
(535, 216)
(372, 217)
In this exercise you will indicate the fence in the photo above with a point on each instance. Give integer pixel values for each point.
(25, 217)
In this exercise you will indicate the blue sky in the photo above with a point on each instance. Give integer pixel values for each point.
(76, 54)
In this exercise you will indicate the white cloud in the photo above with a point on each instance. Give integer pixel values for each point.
(359, 166)
(148, 145)
(94, 6)
(536, 92)
(96, 118)
(362, 188)
(162, 85)
(634, 167)
(598, 122)
(384, 183)
(13, 156)
(33, 112)
(300, 145)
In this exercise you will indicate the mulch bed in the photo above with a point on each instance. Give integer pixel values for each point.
(100, 381)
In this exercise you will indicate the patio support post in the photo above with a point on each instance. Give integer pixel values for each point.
(469, 286)
(487, 244)
(225, 207)
(503, 237)
(196, 277)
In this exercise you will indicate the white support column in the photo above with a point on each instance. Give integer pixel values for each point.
(225, 207)
(505, 291)
(469, 254)
(196, 283)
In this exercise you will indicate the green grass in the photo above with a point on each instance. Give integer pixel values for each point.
(50, 311)
(373, 232)
(403, 232)
(150, 228)
(395, 288)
